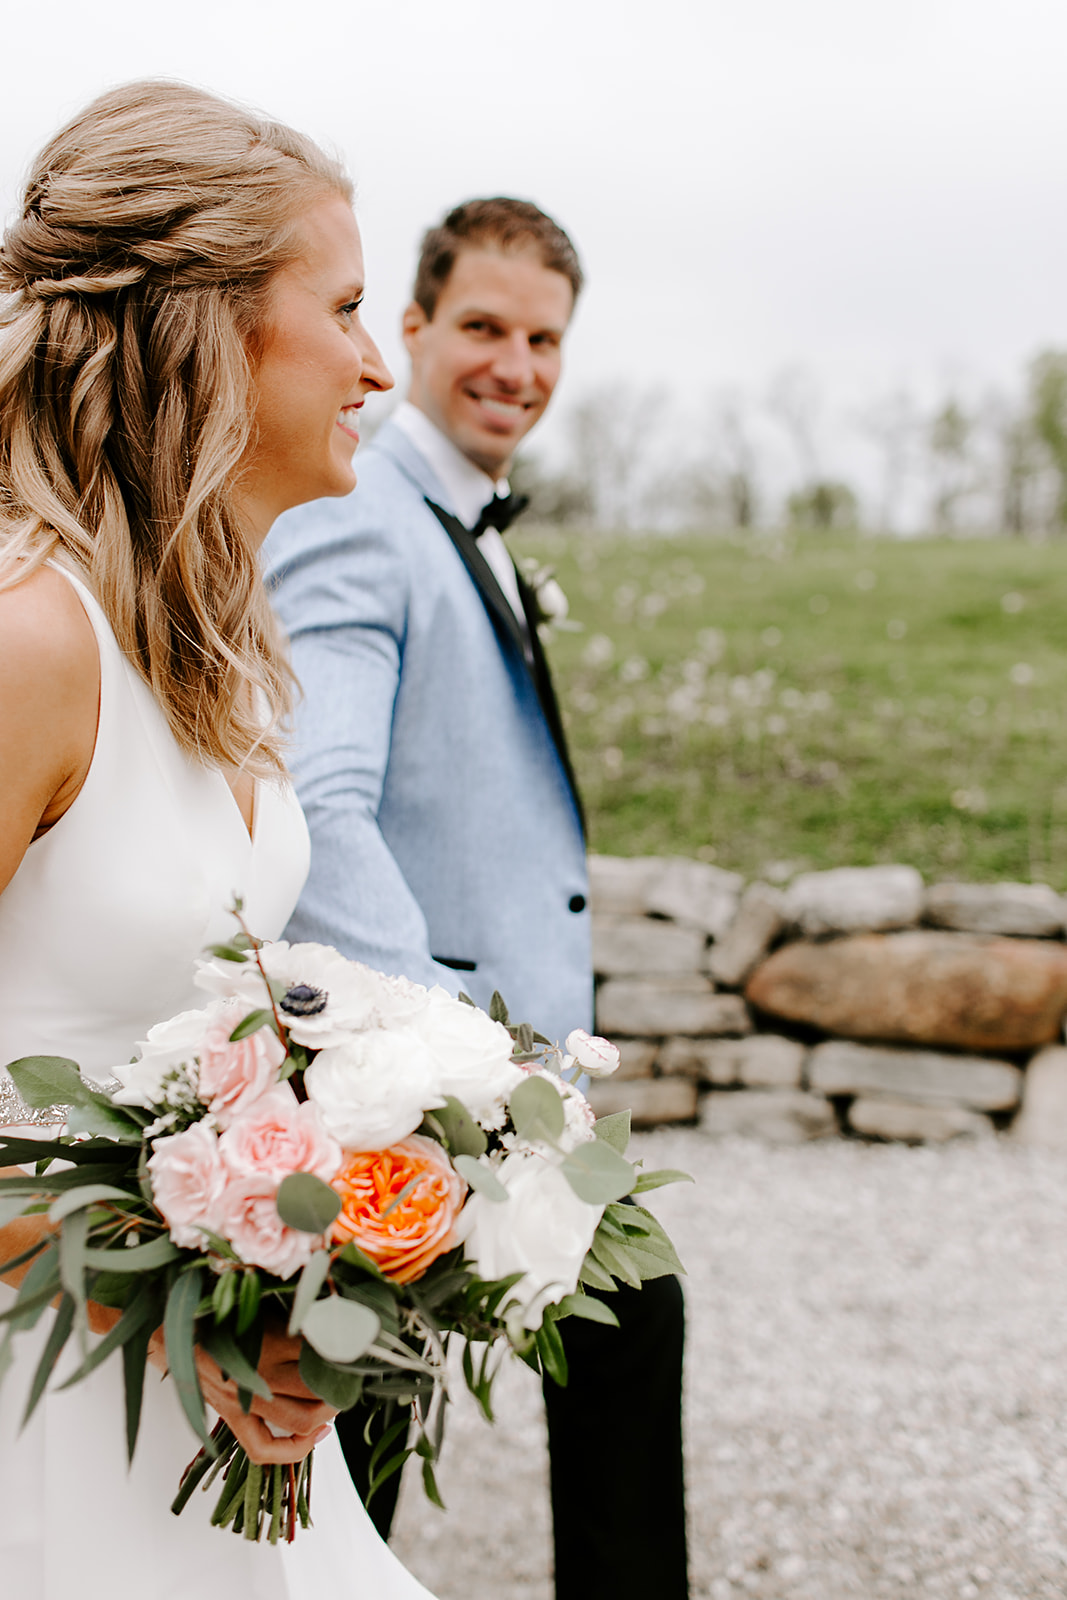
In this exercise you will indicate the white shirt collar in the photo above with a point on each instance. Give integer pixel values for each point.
(468, 488)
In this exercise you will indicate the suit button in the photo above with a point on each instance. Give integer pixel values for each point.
(577, 902)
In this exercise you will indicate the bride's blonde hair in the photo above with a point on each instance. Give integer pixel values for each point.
(136, 279)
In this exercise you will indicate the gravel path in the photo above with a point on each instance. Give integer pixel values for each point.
(876, 1385)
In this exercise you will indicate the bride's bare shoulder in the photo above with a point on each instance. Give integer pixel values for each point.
(49, 696)
(46, 640)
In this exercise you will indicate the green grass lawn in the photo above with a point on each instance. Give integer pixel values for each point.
(780, 702)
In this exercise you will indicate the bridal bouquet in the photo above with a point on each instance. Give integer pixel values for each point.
(379, 1164)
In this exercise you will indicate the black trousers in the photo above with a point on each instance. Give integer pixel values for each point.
(615, 1450)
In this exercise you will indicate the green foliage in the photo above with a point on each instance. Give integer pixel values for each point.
(819, 701)
(307, 1203)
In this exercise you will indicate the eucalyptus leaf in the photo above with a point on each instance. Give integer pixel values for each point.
(311, 1281)
(142, 1312)
(480, 1178)
(537, 1110)
(90, 1194)
(307, 1203)
(661, 1176)
(550, 1349)
(651, 1264)
(97, 1115)
(615, 1130)
(615, 1258)
(339, 1329)
(179, 1332)
(497, 1009)
(252, 1023)
(44, 1081)
(461, 1133)
(12, 1206)
(157, 1252)
(223, 1347)
(227, 952)
(72, 1255)
(134, 1361)
(224, 1295)
(58, 1335)
(248, 1301)
(597, 1173)
(588, 1307)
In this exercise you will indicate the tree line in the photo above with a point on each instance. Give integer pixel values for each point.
(990, 463)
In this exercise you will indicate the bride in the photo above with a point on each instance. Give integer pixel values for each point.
(181, 359)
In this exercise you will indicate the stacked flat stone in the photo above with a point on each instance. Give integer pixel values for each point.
(855, 1001)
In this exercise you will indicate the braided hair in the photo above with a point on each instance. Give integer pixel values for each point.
(135, 282)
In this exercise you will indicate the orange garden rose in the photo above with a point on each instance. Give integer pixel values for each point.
(416, 1231)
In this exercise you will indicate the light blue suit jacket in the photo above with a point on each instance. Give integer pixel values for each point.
(444, 827)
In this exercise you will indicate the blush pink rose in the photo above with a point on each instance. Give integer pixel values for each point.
(188, 1182)
(234, 1074)
(277, 1135)
(249, 1220)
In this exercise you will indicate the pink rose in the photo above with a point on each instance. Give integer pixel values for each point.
(277, 1135)
(250, 1221)
(234, 1075)
(188, 1181)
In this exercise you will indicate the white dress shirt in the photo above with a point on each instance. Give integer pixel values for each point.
(470, 490)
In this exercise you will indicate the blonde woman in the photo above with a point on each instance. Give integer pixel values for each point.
(181, 359)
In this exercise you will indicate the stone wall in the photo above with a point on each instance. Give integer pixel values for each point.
(857, 1001)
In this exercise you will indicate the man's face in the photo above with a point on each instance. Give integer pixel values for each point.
(483, 370)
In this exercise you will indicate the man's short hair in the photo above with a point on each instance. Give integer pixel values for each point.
(510, 226)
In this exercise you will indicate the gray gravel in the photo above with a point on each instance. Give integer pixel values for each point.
(876, 1385)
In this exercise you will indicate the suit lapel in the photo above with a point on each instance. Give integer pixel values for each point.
(546, 692)
(485, 581)
(504, 617)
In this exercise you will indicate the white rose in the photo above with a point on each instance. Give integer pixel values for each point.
(374, 1088)
(169, 1046)
(596, 1057)
(542, 1230)
(472, 1054)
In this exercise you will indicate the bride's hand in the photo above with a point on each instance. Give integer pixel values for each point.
(301, 1419)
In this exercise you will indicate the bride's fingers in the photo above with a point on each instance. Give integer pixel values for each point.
(290, 1414)
(262, 1446)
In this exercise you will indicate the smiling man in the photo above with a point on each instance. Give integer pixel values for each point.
(447, 838)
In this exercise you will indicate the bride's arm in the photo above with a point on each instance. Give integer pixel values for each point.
(49, 696)
(49, 693)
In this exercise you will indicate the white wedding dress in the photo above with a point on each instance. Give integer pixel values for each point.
(99, 929)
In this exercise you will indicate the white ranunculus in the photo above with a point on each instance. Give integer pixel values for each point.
(373, 1089)
(597, 1057)
(471, 1051)
(169, 1046)
(349, 995)
(542, 1230)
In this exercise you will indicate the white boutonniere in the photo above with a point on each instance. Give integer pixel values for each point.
(552, 605)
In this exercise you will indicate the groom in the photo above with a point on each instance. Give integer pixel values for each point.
(447, 836)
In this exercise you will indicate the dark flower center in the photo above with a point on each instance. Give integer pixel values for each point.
(304, 1001)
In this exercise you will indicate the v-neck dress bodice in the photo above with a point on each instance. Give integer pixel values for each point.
(101, 924)
(99, 930)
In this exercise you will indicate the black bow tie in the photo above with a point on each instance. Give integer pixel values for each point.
(500, 513)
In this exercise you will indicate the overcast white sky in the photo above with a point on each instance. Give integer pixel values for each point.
(871, 189)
